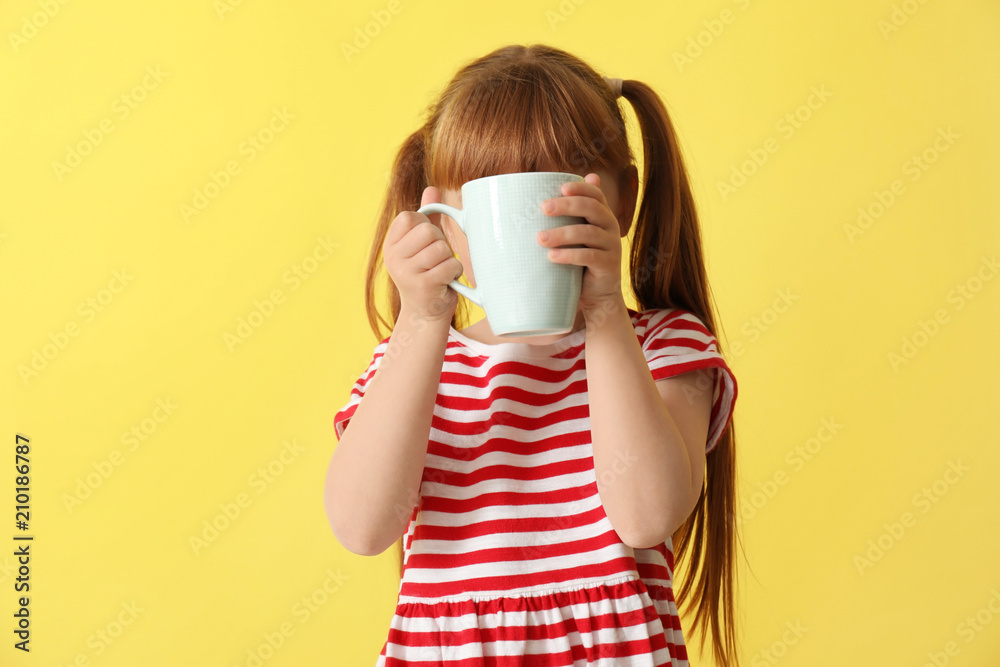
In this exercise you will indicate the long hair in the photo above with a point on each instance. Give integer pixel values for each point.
(530, 108)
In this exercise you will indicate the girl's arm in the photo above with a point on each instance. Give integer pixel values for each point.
(373, 481)
(648, 437)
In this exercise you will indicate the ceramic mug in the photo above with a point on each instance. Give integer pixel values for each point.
(522, 291)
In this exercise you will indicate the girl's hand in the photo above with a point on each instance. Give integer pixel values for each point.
(602, 238)
(420, 263)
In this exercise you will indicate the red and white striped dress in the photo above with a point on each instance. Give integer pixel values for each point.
(509, 558)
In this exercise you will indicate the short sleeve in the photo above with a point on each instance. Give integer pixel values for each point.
(345, 413)
(675, 341)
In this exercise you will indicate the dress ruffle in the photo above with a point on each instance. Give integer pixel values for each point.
(606, 625)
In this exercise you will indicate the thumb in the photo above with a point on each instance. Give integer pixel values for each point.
(432, 195)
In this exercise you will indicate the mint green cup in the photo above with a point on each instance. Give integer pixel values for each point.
(522, 291)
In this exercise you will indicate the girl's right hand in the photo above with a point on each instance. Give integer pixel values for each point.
(420, 263)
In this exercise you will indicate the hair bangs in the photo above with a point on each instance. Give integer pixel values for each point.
(524, 119)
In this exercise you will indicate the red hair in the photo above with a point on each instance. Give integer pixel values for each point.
(531, 108)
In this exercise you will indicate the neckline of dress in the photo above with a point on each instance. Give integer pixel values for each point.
(512, 349)
(572, 339)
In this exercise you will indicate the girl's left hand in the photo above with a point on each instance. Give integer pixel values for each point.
(602, 238)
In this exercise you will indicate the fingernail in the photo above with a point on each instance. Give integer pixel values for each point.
(547, 206)
(543, 235)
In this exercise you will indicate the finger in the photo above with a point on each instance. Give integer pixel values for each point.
(418, 238)
(432, 195)
(401, 226)
(588, 257)
(592, 210)
(586, 235)
(431, 255)
(588, 188)
(446, 271)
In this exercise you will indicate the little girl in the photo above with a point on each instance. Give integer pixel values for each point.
(536, 486)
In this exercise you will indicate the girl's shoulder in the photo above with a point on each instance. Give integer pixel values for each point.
(656, 322)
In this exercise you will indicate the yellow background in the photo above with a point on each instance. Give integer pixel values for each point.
(162, 335)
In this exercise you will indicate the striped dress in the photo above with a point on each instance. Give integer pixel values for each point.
(509, 558)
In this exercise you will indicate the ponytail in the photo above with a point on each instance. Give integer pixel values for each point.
(667, 271)
(407, 182)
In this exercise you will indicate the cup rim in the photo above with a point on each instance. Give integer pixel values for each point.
(522, 174)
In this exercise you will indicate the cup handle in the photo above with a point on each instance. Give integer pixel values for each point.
(456, 215)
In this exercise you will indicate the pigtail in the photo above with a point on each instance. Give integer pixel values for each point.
(667, 271)
(406, 183)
